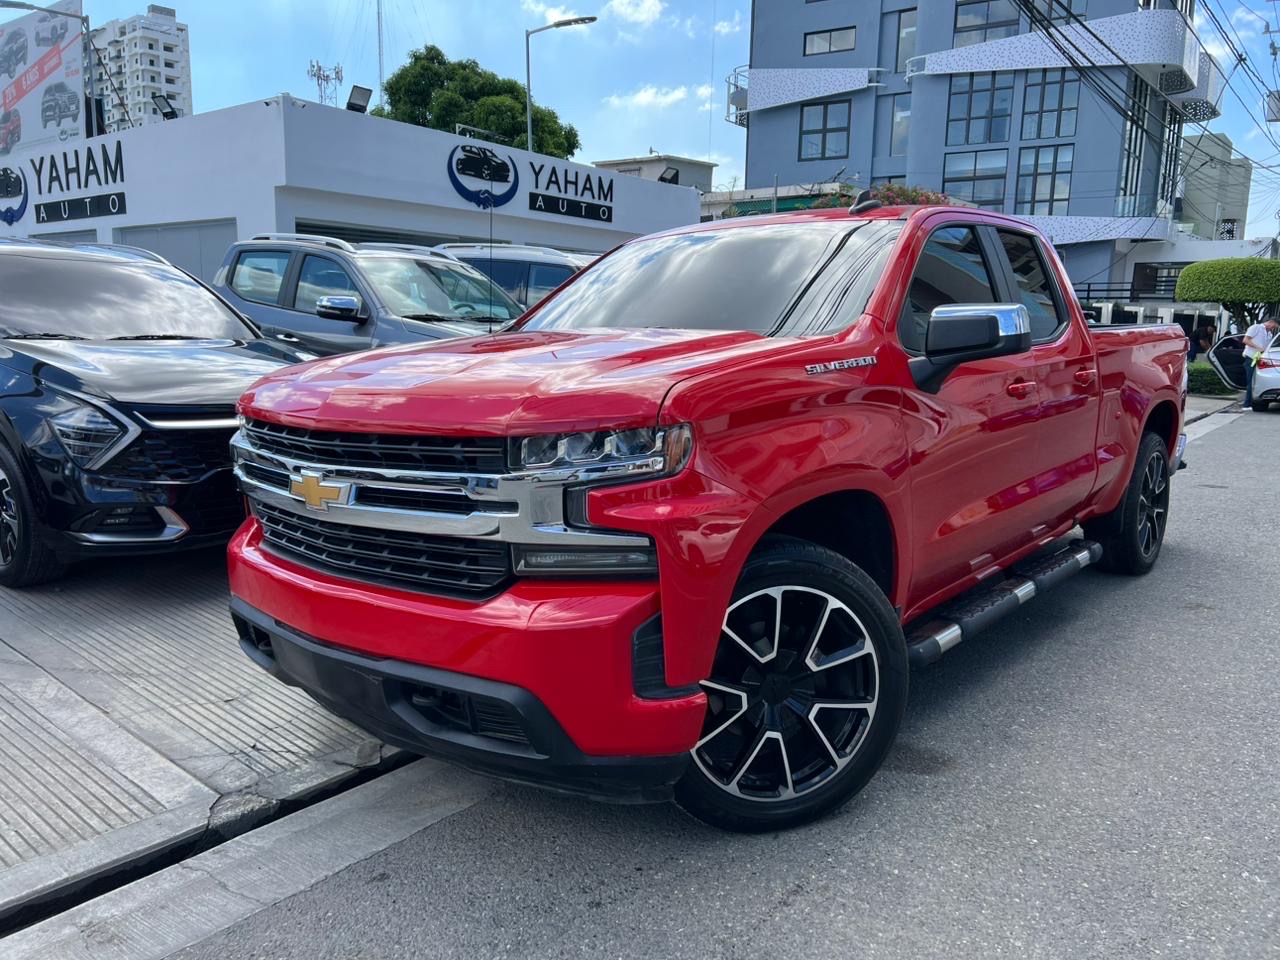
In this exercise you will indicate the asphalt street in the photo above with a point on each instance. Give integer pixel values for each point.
(1095, 777)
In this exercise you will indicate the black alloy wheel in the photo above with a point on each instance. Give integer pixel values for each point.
(1133, 533)
(25, 560)
(9, 522)
(1153, 504)
(805, 694)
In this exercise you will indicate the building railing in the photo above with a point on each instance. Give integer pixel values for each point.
(1160, 289)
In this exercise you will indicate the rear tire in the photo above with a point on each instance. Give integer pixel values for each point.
(806, 694)
(1262, 406)
(24, 559)
(1132, 534)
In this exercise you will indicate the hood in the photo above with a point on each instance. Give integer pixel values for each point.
(150, 371)
(505, 384)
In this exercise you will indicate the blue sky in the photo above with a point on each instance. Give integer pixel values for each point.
(650, 73)
(643, 76)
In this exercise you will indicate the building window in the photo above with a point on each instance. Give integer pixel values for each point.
(1172, 153)
(978, 21)
(977, 176)
(888, 181)
(906, 39)
(1049, 105)
(1044, 180)
(901, 125)
(1132, 151)
(829, 41)
(980, 108)
(824, 131)
(1227, 228)
(1059, 9)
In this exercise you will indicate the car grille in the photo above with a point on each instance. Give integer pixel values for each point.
(387, 451)
(465, 567)
(182, 456)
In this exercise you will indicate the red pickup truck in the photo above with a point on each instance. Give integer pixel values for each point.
(680, 530)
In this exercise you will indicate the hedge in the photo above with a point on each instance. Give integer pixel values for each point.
(1203, 379)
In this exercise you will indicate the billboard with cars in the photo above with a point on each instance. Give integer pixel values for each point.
(42, 78)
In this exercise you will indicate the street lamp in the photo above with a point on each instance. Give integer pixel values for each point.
(84, 25)
(528, 75)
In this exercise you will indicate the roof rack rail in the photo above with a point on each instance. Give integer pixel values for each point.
(407, 248)
(308, 238)
(483, 244)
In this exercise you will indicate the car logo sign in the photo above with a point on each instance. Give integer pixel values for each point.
(317, 493)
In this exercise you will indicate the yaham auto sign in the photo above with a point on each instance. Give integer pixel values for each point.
(76, 184)
(42, 79)
(562, 189)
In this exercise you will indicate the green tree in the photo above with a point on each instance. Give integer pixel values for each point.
(433, 91)
(1243, 285)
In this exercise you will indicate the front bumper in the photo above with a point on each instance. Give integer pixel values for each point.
(567, 645)
(491, 727)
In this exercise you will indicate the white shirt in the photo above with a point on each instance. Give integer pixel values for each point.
(1259, 335)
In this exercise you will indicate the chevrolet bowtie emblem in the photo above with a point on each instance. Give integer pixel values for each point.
(312, 490)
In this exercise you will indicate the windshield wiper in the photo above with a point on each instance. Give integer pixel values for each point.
(43, 336)
(158, 336)
(428, 316)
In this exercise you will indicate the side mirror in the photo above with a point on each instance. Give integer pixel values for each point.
(339, 308)
(963, 332)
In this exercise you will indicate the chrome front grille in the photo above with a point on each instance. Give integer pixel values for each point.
(484, 455)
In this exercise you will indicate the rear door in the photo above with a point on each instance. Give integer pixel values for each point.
(1227, 358)
(1067, 384)
(254, 285)
(973, 442)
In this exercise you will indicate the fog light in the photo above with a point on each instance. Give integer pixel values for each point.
(535, 561)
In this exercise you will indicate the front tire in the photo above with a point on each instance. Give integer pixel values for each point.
(1132, 534)
(24, 559)
(806, 694)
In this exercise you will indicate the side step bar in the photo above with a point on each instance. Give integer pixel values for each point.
(975, 611)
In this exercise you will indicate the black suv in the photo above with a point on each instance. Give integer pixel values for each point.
(13, 52)
(327, 296)
(57, 103)
(119, 375)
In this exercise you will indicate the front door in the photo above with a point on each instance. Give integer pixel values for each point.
(973, 442)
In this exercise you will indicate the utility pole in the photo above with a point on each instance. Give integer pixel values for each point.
(381, 76)
(327, 81)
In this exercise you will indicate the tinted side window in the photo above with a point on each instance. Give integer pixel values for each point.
(321, 277)
(258, 275)
(510, 275)
(543, 278)
(951, 270)
(1034, 288)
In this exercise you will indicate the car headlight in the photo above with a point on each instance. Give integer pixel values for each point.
(639, 451)
(87, 434)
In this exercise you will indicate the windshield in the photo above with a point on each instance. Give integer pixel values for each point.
(410, 287)
(795, 279)
(100, 299)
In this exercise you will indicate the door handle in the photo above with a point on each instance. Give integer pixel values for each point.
(1086, 376)
(287, 338)
(1020, 389)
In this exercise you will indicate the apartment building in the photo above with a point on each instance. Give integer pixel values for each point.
(1067, 112)
(137, 58)
(1215, 195)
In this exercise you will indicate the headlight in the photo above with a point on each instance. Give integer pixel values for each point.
(87, 434)
(533, 561)
(640, 451)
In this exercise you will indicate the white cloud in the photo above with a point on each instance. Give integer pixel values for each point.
(549, 12)
(644, 12)
(730, 26)
(688, 25)
(648, 97)
(706, 101)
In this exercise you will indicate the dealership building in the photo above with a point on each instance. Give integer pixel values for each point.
(190, 187)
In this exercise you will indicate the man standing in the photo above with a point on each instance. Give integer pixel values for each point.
(1256, 340)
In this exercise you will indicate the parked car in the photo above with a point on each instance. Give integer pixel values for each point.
(329, 296)
(527, 273)
(1227, 358)
(10, 130)
(13, 52)
(681, 529)
(120, 375)
(57, 103)
(50, 29)
(482, 163)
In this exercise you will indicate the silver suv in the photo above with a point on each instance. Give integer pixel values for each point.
(327, 296)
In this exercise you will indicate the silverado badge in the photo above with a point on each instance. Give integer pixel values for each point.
(840, 365)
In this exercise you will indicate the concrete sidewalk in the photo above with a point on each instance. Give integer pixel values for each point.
(131, 722)
(1200, 407)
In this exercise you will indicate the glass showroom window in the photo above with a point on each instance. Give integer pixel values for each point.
(1044, 180)
(824, 131)
(829, 41)
(901, 125)
(1049, 104)
(978, 21)
(977, 176)
(906, 39)
(980, 108)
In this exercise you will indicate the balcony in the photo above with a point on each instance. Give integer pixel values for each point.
(751, 89)
(1158, 45)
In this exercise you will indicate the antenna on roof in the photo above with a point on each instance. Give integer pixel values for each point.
(864, 202)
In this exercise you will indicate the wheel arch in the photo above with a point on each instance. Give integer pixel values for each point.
(1163, 421)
